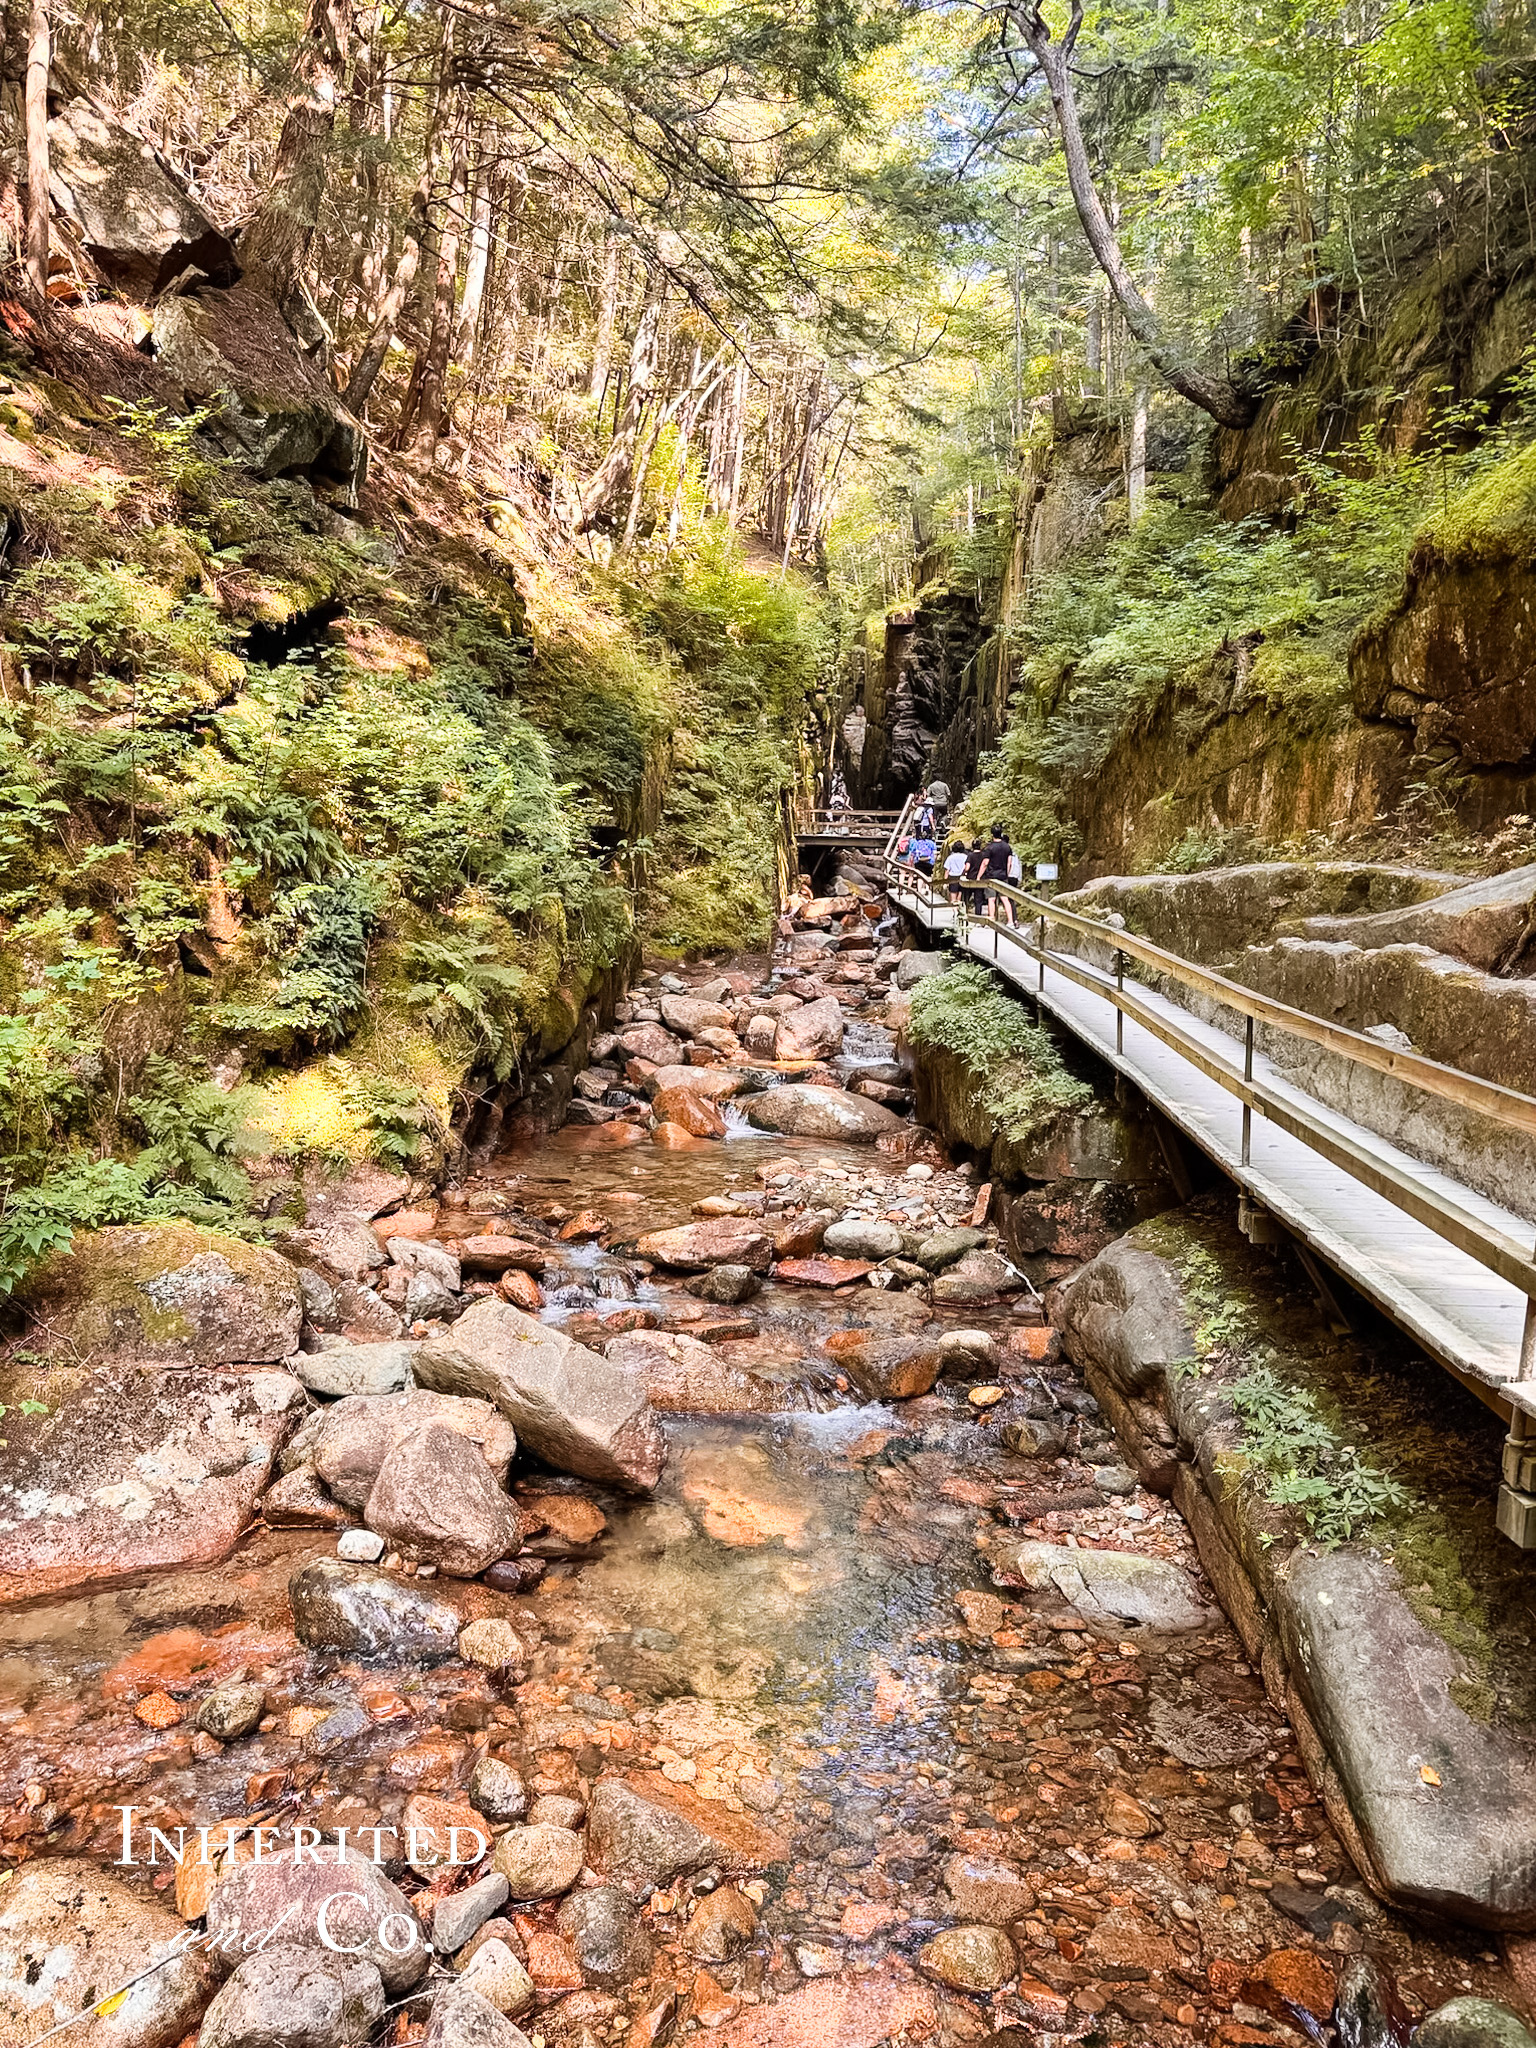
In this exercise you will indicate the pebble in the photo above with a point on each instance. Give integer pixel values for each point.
(539, 1862)
(497, 1790)
(359, 1546)
(492, 1644)
(969, 1958)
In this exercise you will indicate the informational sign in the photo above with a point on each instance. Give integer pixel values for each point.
(1046, 871)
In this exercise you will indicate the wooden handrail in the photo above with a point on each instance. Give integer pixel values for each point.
(1468, 1091)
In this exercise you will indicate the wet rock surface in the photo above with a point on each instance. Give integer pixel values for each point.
(867, 1717)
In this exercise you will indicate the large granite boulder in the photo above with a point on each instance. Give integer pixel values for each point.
(436, 1499)
(70, 1935)
(1380, 1687)
(569, 1406)
(271, 406)
(132, 1471)
(813, 1032)
(165, 1294)
(135, 219)
(348, 1443)
(802, 1111)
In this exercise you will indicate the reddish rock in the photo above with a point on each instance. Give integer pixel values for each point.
(673, 1138)
(844, 1344)
(492, 1254)
(585, 1228)
(712, 2005)
(895, 1368)
(579, 1521)
(716, 1241)
(442, 1833)
(1124, 1815)
(821, 1272)
(1038, 1345)
(158, 1710)
(413, 1223)
(522, 1290)
(552, 1961)
(1301, 1976)
(694, 1112)
(834, 2013)
(184, 1660)
(800, 1237)
(1126, 1940)
(715, 1082)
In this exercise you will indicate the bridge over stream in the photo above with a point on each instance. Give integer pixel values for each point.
(1446, 1264)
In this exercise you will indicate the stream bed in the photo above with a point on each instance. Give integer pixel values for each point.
(945, 1809)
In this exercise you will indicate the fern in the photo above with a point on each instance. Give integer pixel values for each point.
(198, 1135)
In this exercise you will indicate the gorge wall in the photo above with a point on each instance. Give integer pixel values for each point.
(1436, 712)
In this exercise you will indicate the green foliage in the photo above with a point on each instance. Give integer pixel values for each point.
(1223, 1320)
(396, 1120)
(1309, 1468)
(458, 981)
(1019, 1078)
(749, 649)
(79, 1194)
(198, 1134)
(1211, 846)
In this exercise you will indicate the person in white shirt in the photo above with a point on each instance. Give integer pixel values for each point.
(954, 868)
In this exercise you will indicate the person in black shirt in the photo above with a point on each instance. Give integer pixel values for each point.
(973, 890)
(998, 854)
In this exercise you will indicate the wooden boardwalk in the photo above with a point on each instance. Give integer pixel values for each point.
(1467, 1317)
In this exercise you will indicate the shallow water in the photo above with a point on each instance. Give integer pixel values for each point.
(798, 1630)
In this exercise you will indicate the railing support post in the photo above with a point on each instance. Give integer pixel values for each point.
(1119, 998)
(1247, 1106)
(1527, 1368)
(1040, 942)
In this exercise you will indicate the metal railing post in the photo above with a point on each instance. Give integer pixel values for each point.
(1247, 1106)
(1040, 941)
(1119, 1000)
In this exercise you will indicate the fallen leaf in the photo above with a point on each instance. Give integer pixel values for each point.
(1430, 1776)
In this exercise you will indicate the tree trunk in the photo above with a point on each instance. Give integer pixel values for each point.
(417, 227)
(1217, 396)
(607, 308)
(1136, 457)
(39, 50)
(274, 249)
(608, 479)
(432, 388)
(478, 267)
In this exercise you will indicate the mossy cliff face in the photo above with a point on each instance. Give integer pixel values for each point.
(1454, 658)
(350, 802)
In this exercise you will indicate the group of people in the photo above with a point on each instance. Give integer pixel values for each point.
(971, 872)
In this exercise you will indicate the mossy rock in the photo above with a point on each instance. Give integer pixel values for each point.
(164, 1294)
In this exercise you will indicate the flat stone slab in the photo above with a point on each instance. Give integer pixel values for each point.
(1106, 1585)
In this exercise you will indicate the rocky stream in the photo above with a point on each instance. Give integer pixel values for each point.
(587, 1631)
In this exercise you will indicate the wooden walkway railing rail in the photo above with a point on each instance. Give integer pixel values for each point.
(1485, 1333)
